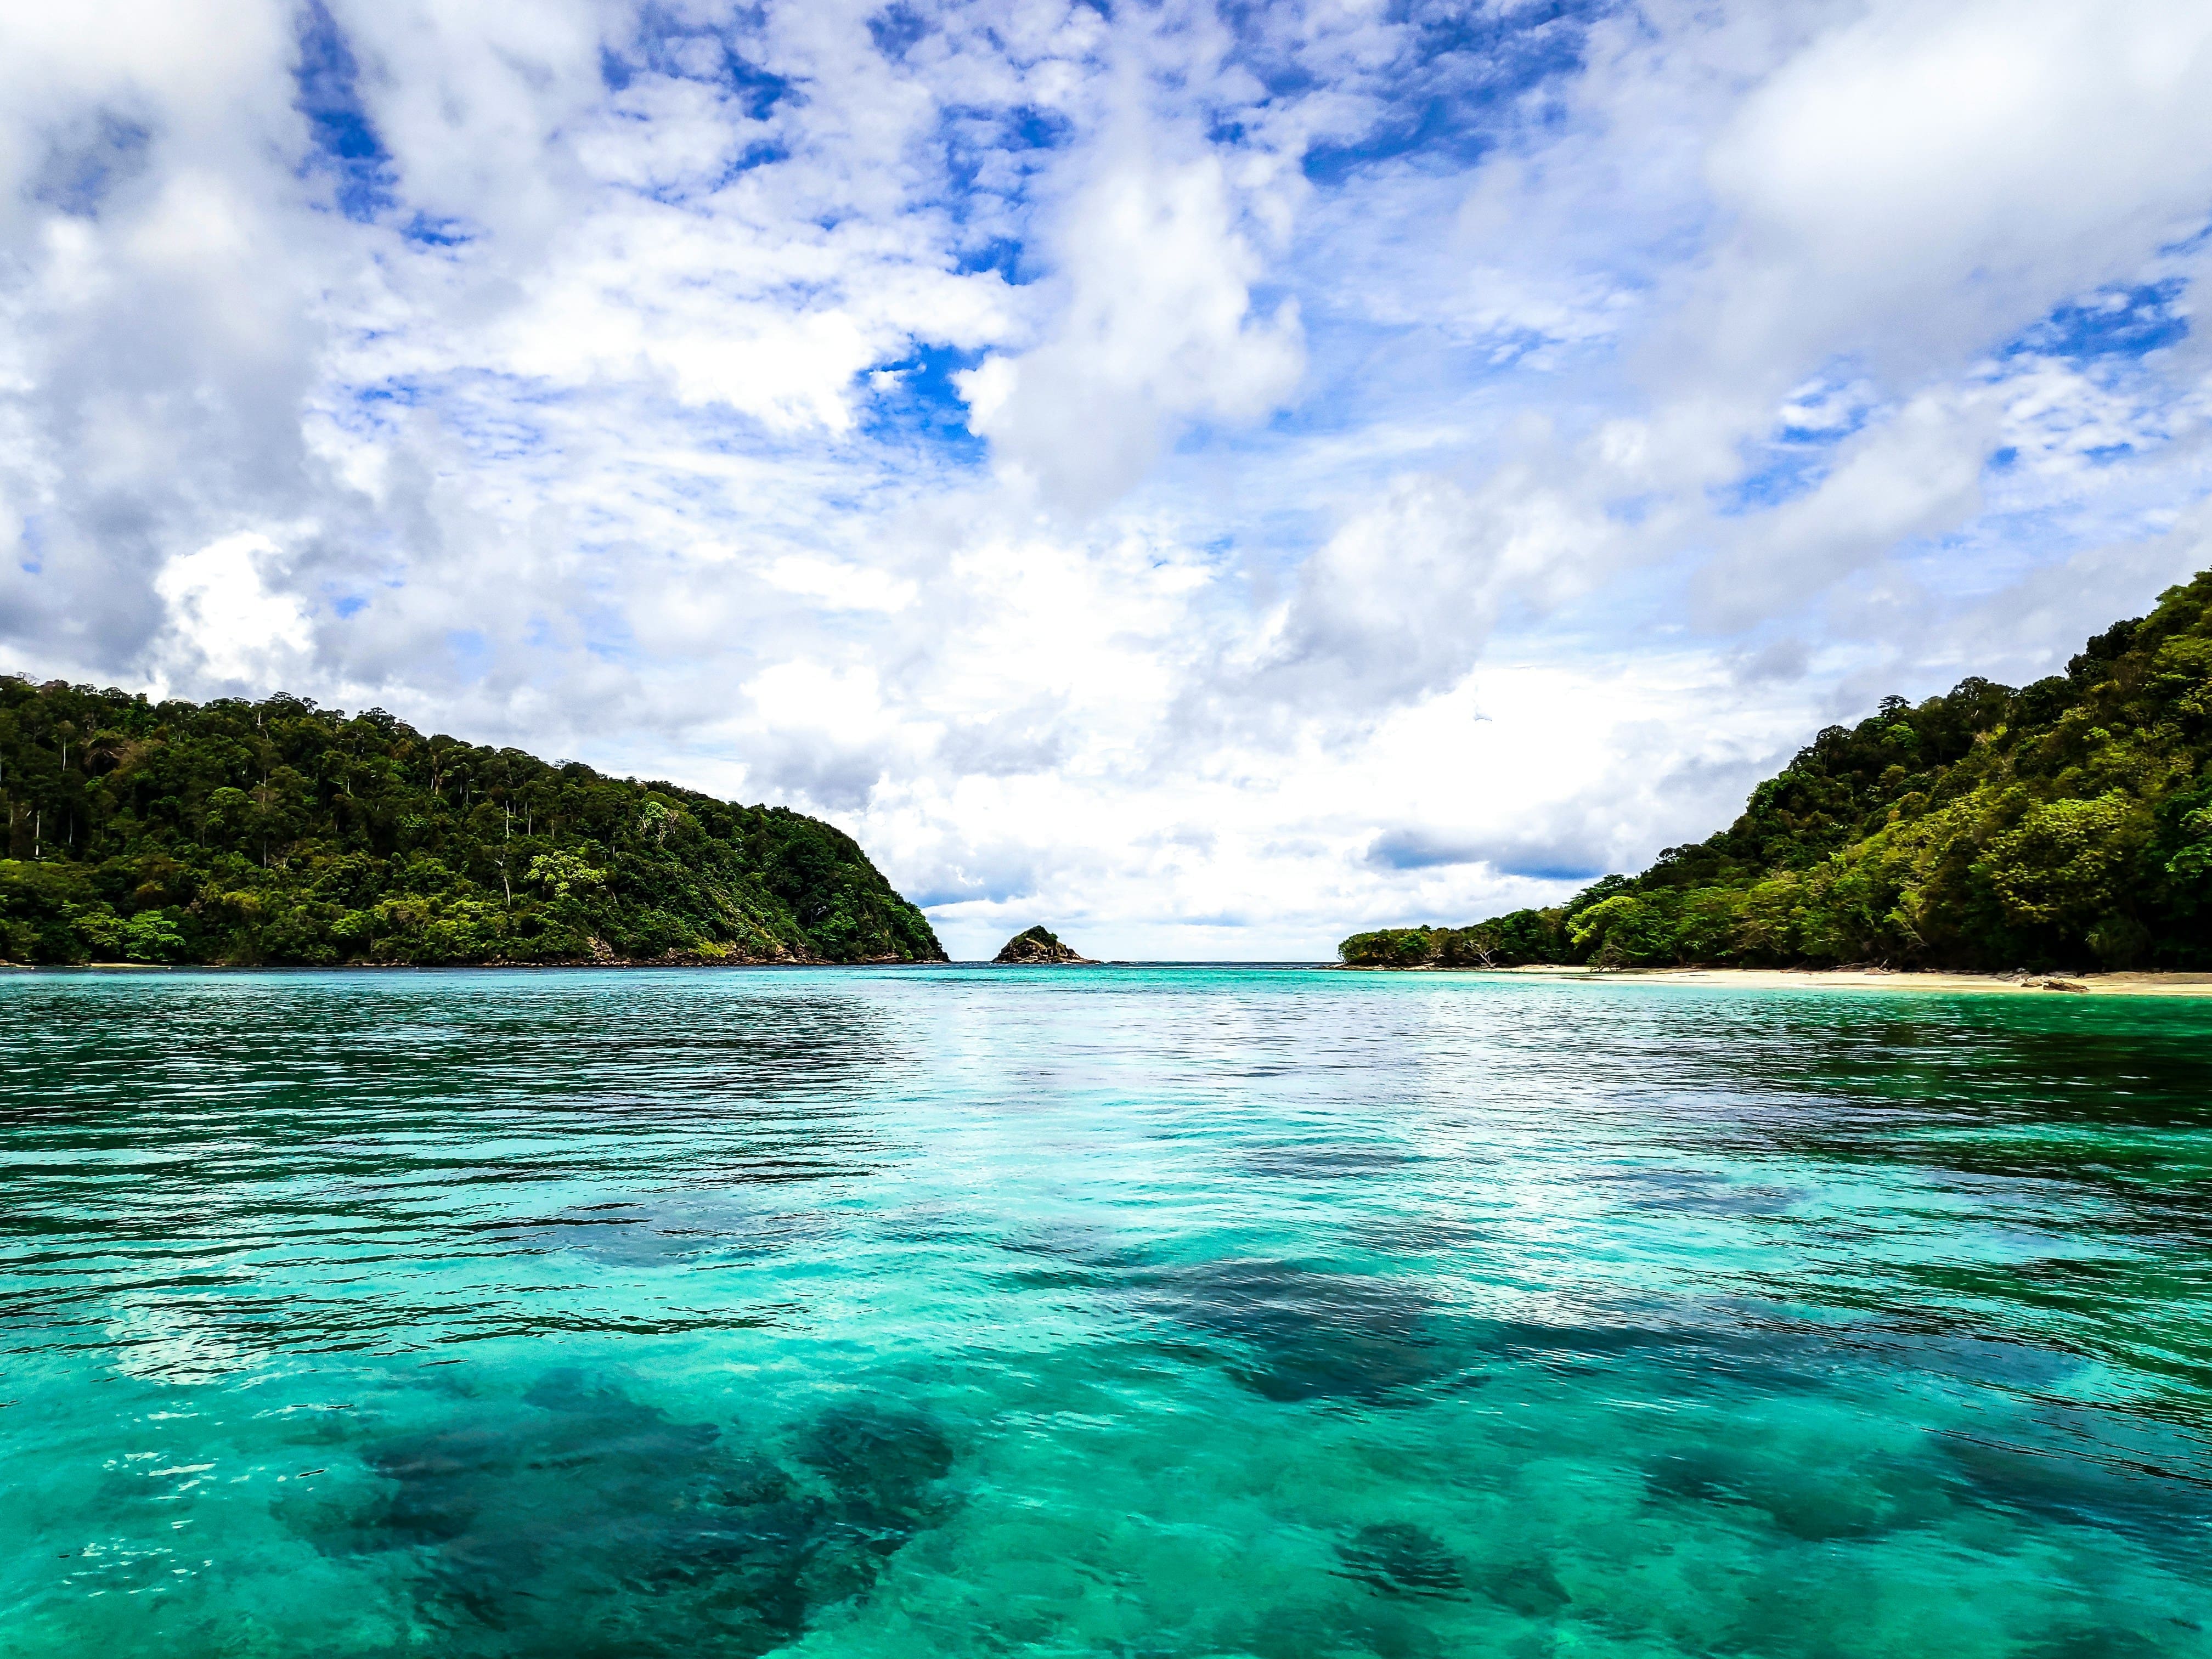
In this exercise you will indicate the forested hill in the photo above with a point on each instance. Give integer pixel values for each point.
(2065, 825)
(280, 833)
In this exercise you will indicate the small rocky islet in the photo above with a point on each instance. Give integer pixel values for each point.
(1039, 946)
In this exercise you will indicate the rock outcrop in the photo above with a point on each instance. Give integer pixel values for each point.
(1038, 946)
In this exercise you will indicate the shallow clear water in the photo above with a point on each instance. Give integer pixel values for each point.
(1112, 1312)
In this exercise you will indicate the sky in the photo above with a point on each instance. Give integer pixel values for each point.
(1209, 477)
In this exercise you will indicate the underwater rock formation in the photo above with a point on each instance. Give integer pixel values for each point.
(1295, 1333)
(578, 1520)
(1399, 1559)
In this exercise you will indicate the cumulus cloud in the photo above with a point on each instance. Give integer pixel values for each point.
(224, 619)
(1572, 855)
(1398, 603)
(1158, 330)
(1917, 473)
(1213, 476)
(1944, 172)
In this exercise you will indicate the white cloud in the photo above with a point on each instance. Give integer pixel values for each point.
(1941, 171)
(224, 619)
(1400, 602)
(1158, 330)
(1917, 472)
(841, 586)
(1213, 477)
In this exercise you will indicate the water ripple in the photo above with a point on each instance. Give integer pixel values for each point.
(1156, 1312)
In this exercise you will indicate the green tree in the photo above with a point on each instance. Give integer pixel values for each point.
(279, 832)
(564, 872)
(2066, 821)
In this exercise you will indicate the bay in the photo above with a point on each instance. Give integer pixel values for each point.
(1131, 1311)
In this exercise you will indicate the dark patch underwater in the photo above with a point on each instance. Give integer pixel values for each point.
(577, 1520)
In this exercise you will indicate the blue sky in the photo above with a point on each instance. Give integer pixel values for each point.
(1206, 476)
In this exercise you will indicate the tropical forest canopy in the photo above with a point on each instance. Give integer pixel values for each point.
(2067, 823)
(276, 832)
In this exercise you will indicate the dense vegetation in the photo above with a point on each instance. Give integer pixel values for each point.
(1039, 944)
(278, 832)
(2066, 823)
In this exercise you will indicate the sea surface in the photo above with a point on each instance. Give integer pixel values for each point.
(1111, 1311)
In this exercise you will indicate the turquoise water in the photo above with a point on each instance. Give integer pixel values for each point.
(1127, 1312)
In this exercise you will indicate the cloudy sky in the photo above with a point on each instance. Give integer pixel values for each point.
(1206, 476)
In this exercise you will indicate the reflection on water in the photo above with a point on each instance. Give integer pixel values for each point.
(1325, 1161)
(1147, 1312)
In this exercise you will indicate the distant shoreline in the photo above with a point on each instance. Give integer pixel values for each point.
(1850, 979)
(615, 965)
(2168, 985)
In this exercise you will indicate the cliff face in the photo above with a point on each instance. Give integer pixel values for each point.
(1037, 945)
(280, 833)
(2068, 823)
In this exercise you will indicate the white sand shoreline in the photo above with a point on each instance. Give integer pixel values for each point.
(1851, 979)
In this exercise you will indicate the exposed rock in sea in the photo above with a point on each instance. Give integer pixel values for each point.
(1037, 945)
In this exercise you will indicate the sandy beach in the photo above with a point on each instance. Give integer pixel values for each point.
(1860, 979)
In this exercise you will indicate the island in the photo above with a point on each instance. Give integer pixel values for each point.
(277, 833)
(2065, 825)
(1039, 946)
